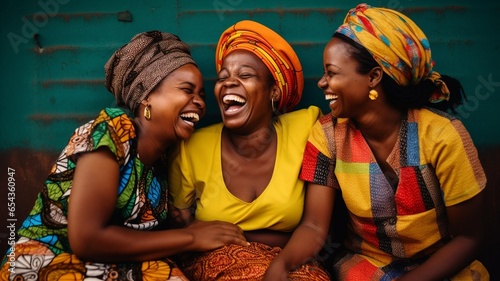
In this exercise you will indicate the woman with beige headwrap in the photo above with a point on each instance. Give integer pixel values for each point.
(407, 170)
(245, 169)
(92, 217)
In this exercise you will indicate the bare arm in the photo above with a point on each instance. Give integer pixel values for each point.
(309, 237)
(92, 202)
(466, 222)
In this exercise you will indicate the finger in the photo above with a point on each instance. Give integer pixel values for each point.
(228, 225)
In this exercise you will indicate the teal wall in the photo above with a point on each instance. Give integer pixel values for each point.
(53, 81)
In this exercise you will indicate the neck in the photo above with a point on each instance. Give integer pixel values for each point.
(250, 145)
(148, 148)
(379, 127)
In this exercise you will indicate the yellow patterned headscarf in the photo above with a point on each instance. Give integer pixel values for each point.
(396, 43)
(273, 50)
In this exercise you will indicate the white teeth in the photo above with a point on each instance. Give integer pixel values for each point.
(331, 97)
(192, 116)
(235, 98)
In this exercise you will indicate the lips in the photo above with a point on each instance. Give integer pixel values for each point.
(190, 118)
(233, 102)
(332, 98)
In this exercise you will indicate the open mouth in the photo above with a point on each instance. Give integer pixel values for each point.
(190, 117)
(331, 98)
(233, 103)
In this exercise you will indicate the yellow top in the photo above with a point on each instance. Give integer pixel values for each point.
(195, 176)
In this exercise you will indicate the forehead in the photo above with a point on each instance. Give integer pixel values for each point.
(337, 47)
(338, 52)
(186, 72)
(243, 58)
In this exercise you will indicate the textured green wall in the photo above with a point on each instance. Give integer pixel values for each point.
(53, 81)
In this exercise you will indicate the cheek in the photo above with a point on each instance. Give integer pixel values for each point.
(217, 89)
(335, 84)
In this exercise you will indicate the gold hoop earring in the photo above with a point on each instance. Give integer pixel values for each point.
(373, 95)
(147, 111)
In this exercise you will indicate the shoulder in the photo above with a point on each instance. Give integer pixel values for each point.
(115, 119)
(434, 120)
(205, 135)
(432, 115)
(437, 127)
(112, 128)
(306, 116)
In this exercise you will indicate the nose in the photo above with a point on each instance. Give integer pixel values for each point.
(230, 81)
(322, 82)
(198, 101)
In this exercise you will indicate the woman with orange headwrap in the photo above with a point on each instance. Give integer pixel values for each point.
(408, 172)
(245, 169)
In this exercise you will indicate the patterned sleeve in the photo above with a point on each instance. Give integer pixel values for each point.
(318, 163)
(112, 129)
(458, 168)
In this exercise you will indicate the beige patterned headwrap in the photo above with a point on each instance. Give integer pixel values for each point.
(135, 69)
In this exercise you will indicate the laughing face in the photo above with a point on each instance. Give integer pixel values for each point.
(243, 90)
(344, 87)
(178, 103)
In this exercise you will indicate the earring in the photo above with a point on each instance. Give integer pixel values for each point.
(373, 95)
(147, 111)
(272, 105)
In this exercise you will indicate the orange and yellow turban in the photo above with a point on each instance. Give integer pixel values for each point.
(273, 50)
(396, 43)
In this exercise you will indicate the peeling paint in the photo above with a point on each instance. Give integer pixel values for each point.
(53, 49)
(437, 10)
(280, 11)
(72, 82)
(47, 118)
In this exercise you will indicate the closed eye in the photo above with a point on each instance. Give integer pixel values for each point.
(246, 75)
(221, 79)
(329, 73)
(188, 90)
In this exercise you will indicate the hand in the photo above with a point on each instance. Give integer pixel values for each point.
(215, 234)
(276, 271)
(181, 216)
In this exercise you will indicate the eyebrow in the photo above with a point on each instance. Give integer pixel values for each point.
(202, 90)
(333, 65)
(241, 66)
(189, 83)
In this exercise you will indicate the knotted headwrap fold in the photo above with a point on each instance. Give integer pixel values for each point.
(273, 50)
(137, 67)
(396, 43)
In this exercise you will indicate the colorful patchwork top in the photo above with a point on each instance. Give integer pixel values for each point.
(141, 197)
(402, 218)
(195, 177)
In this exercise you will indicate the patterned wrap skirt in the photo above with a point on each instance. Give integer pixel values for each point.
(353, 267)
(234, 262)
(32, 260)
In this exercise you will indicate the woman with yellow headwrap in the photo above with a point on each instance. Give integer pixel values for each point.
(408, 171)
(245, 169)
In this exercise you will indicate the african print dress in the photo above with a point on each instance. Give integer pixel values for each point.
(43, 251)
(396, 221)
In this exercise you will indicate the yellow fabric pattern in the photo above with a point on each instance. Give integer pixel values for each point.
(437, 166)
(195, 176)
(398, 45)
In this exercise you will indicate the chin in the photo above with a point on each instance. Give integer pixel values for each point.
(184, 135)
